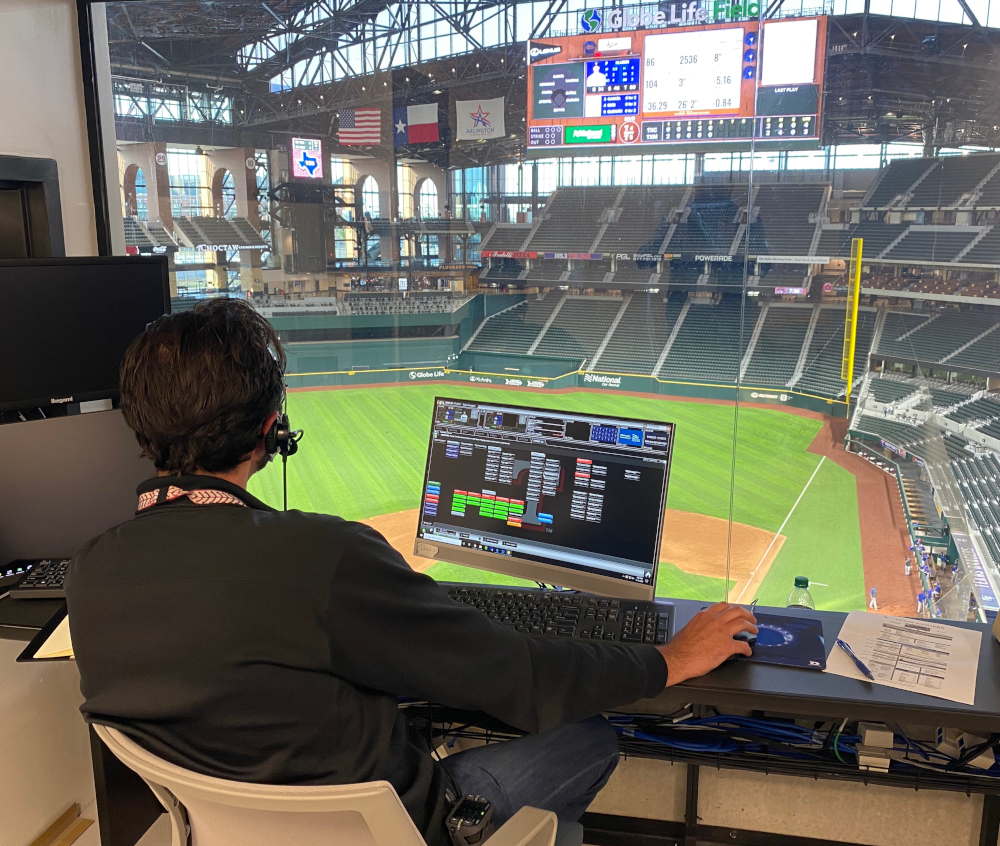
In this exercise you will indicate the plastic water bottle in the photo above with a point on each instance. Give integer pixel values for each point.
(800, 596)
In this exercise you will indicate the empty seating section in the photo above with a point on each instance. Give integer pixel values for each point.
(642, 220)
(945, 334)
(987, 251)
(514, 331)
(782, 225)
(135, 236)
(821, 372)
(923, 244)
(951, 179)
(159, 234)
(889, 390)
(978, 478)
(778, 345)
(708, 343)
(832, 241)
(877, 236)
(983, 288)
(248, 234)
(590, 271)
(992, 429)
(504, 238)
(545, 270)
(990, 194)
(573, 217)
(579, 327)
(983, 409)
(629, 274)
(218, 230)
(504, 270)
(640, 335)
(895, 180)
(984, 354)
(942, 398)
(711, 220)
(898, 433)
(897, 324)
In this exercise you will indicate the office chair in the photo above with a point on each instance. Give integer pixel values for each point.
(206, 811)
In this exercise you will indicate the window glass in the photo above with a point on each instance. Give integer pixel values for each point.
(609, 211)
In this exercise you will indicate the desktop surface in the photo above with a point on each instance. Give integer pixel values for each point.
(569, 499)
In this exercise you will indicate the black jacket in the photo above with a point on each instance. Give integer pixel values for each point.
(266, 646)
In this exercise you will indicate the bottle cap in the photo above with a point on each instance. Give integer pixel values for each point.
(801, 581)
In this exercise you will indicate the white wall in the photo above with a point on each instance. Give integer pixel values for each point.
(44, 751)
(41, 105)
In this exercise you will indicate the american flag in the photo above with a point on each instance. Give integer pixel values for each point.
(360, 126)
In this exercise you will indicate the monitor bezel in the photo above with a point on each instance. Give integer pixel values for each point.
(74, 261)
(538, 571)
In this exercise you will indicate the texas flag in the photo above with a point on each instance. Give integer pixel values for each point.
(415, 124)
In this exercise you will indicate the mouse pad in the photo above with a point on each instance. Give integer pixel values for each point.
(790, 642)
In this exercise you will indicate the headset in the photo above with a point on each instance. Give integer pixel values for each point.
(282, 439)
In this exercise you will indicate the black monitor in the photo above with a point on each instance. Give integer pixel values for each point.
(575, 500)
(66, 323)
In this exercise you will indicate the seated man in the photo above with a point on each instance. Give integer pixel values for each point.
(265, 646)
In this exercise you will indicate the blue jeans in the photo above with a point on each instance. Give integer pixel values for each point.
(559, 770)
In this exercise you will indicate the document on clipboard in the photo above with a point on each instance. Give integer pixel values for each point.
(907, 654)
(52, 643)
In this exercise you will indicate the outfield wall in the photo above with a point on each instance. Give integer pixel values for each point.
(779, 397)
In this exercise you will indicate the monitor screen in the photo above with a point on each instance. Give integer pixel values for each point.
(68, 321)
(575, 500)
(698, 82)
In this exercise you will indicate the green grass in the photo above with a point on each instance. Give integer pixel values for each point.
(823, 542)
(365, 448)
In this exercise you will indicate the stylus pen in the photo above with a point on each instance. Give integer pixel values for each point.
(857, 661)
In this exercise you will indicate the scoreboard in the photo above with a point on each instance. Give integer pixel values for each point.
(694, 87)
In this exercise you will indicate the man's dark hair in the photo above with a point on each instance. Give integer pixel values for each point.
(198, 385)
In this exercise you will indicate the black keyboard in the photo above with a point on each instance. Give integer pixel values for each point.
(43, 581)
(562, 613)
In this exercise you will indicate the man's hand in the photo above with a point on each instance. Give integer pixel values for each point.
(707, 641)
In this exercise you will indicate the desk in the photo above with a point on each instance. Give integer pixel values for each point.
(125, 805)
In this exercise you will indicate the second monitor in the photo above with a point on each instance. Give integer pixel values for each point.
(561, 498)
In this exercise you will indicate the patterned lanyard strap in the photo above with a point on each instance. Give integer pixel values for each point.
(199, 496)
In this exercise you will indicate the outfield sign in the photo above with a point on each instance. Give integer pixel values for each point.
(515, 254)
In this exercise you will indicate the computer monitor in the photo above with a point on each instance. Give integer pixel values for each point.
(68, 321)
(575, 500)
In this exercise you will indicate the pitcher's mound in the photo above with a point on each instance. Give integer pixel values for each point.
(695, 543)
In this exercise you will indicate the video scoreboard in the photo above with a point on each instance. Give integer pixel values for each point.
(688, 87)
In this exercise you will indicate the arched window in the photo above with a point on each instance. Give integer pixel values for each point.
(427, 199)
(228, 196)
(369, 197)
(141, 201)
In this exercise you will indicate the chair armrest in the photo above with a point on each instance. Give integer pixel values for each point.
(528, 827)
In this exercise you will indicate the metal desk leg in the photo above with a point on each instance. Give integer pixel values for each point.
(126, 807)
(989, 829)
(691, 806)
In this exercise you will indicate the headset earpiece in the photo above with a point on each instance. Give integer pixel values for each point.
(281, 438)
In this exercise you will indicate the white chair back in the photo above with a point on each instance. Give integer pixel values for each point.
(207, 811)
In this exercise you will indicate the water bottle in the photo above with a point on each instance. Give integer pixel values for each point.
(800, 596)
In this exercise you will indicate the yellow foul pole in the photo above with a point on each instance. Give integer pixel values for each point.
(851, 318)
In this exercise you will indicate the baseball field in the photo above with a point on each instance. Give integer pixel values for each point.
(793, 513)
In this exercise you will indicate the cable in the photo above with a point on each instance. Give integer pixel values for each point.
(836, 741)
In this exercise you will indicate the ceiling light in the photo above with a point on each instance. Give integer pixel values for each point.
(437, 91)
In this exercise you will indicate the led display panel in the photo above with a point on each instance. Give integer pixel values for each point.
(712, 86)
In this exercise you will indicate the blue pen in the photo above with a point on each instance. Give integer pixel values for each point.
(857, 661)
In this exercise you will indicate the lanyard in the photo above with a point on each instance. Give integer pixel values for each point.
(199, 496)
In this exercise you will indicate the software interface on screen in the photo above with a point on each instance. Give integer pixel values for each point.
(575, 491)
